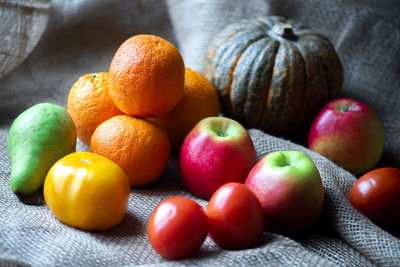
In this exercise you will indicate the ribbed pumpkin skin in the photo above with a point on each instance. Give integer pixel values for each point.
(273, 82)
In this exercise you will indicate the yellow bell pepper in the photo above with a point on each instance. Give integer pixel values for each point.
(87, 191)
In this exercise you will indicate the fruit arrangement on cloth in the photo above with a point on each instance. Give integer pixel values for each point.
(269, 73)
(127, 116)
(273, 74)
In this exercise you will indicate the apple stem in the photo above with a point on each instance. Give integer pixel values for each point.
(284, 164)
(344, 109)
(222, 134)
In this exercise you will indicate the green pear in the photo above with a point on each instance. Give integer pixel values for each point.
(38, 137)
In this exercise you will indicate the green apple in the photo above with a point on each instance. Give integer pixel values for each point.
(289, 188)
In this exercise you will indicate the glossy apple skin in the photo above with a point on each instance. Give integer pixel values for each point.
(349, 133)
(376, 194)
(216, 151)
(289, 188)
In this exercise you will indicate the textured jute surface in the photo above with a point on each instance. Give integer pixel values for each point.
(22, 24)
(82, 36)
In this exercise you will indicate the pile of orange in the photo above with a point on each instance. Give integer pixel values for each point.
(144, 105)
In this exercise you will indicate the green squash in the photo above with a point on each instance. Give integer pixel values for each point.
(273, 74)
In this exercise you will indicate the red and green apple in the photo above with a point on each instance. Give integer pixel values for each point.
(349, 133)
(289, 188)
(218, 150)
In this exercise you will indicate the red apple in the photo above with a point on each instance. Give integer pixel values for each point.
(216, 151)
(349, 133)
(289, 188)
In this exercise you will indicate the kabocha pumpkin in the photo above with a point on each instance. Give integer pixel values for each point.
(273, 74)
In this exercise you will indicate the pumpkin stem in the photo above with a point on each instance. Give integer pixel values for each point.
(284, 30)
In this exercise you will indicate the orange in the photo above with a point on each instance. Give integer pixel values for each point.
(139, 147)
(199, 100)
(89, 104)
(147, 74)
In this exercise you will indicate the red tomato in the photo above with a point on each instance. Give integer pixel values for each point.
(235, 217)
(177, 227)
(377, 195)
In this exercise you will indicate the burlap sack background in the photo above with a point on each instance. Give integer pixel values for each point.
(82, 36)
(22, 25)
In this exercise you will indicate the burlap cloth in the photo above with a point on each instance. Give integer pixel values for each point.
(82, 36)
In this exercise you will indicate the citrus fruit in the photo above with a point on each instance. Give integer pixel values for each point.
(199, 100)
(139, 147)
(90, 103)
(147, 73)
